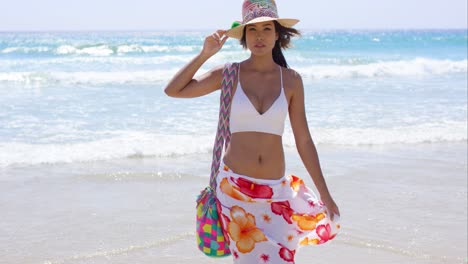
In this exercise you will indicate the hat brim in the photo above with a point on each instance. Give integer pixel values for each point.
(238, 31)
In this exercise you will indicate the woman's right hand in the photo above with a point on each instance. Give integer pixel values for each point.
(214, 42)
(183, 84)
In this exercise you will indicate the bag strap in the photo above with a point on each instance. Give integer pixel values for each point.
(223, 134)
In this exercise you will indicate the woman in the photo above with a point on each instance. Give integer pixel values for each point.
(266, 214)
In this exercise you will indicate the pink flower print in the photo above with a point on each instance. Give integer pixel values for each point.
(324, 232)
(252, 189)
(287, 255)
(282, 208)
(265, 258)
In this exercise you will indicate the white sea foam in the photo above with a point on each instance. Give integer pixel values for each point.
(416, 67)
(132, 144)
(422, 133)
(168, 48)
(447, 131)
(39, 49)
(35, 79)
(402, 68)
(95, 61)
(141, 144)
(100, 50)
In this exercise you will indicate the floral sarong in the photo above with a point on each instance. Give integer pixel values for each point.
(266, 221)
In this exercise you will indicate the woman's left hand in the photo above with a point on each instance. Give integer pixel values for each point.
(332, 208)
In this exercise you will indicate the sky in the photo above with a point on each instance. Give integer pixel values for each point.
(60, 15)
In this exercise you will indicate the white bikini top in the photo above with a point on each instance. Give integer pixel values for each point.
(245, 117)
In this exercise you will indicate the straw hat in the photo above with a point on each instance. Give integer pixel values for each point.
(255, 11)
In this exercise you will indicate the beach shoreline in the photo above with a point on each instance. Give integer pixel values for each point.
(141, 210)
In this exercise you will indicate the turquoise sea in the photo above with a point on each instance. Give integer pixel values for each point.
(98, 95)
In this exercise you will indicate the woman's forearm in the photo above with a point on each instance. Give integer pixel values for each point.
(183, 77)
(309, 156)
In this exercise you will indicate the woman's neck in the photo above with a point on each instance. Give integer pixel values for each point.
(261, 63)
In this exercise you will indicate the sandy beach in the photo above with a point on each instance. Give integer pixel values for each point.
(399, 204)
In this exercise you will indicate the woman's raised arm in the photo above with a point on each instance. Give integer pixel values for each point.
(184, 85)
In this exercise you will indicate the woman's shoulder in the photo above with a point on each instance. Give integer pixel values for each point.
(216, 71)
(220, 68)
(291, 78)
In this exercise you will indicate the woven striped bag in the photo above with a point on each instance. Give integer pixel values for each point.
(210, 236)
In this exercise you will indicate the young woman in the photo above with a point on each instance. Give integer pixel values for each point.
(266, 214)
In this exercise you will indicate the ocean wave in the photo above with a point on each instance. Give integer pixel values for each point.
(401, 68)
(444, 131)
(99, 49)
(38, 79)
(417, 67)
(93, 62)
(26, 50)
(142, 145)
(130, 145)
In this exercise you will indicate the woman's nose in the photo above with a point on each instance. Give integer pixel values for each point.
(259, 36)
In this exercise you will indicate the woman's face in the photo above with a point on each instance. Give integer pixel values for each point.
(261, 37)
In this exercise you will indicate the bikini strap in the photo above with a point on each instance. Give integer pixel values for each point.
(281, 76)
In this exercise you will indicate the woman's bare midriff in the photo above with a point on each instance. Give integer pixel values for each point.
(255, 154)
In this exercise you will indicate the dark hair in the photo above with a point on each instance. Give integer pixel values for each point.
(283, 42)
